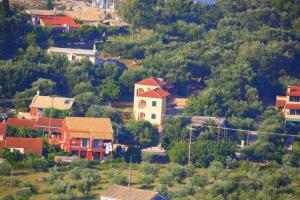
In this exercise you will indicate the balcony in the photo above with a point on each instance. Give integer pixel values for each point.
(294, 118)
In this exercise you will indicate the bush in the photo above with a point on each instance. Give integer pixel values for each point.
(54, 175)
(148, 169)
(167, 179)
(75, 173)
(4, 169)
(60, 187)
(36, 163)
(33, 188)
(177, 172)
(198, 180)
(231, 163)
(8, 197)
(146, 180)
(163, 189)
(24, 193)
(118, 178)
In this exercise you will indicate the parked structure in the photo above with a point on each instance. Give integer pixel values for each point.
(87, 138)
(39, 103)
(118, 192)
(76, 54)
(58, 22)
(289, 104)
(151, 100)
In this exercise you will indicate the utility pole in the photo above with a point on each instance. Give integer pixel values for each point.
(50, 118)
(129, 179)
(190, 142)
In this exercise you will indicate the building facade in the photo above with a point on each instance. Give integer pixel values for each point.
(76, 54)
(87, 138)
(289, 104)
(40, 103)
(151, 100)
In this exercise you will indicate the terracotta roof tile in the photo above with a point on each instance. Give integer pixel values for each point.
(59, 21)
(21, 122)
(152, 81)
(34, 145)
(156, 93)
(82, 127)
(294, 91)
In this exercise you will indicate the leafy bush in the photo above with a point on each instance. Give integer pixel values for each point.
(4, 168)
(116, 177)
(177, 172)
(148, 169)
(24, 194)
(198, 180)
(146, 180)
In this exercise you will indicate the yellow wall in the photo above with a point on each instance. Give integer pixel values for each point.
(159, 110)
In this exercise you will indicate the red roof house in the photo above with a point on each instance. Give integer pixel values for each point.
(290, 103)
(58, 22)
(24, 145)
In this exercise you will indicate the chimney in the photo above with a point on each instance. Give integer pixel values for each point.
(38, 93)
(94, 47)
(288, 89)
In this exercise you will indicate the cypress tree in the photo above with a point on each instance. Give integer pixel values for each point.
(5, 7)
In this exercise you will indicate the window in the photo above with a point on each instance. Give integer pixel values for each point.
(140, 91)
(84, 142)
(142, 104)
(294, 99)
(73, 57)
(294, 112)
(154, 103)
(153, 116)
(96, 143)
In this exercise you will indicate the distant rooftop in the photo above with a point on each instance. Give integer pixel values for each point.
(59, 21)
(70, 50)
(60, 103)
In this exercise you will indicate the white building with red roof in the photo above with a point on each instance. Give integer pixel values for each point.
(151, 98)
(290, 103)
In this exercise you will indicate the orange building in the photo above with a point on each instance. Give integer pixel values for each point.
(290, 104)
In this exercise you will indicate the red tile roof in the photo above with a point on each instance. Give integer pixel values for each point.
(156, 93)
(34, 145)
(293, 91)
(55, 124)
(152, 81)
(21, 122)
(2, 128)
(59, 21)
(292, 106)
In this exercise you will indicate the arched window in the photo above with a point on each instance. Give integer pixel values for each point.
(139, 91)
(142, 104)
(141, 116)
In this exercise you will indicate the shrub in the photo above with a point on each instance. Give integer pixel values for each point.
(148, 169)
(177, 172)
(24, 193)
(15, 182)
(163, 189)
(75, 173)
(60, 187)
(4, 169)
(146, 180)
(198, 180)
(8, 197)
(167, 179)
(118, 178)
(33, 188)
